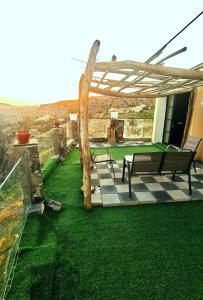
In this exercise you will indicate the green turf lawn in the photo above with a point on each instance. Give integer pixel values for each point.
(118, 153)
(139, 252)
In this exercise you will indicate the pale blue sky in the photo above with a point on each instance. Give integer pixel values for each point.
(39, 38)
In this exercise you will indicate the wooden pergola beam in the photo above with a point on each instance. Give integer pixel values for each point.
(84, 87)
(79, 118)
(185, 84)
(118, 84)
(139, 73)
(156, 69)
(144, 85)
(141, 95)
(117, 94)
(158, 63)
(105, 73)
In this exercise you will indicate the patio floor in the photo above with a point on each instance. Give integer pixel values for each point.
(147, 189)
(123, 144)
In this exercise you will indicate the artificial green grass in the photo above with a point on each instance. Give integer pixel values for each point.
(138, 252)
(118, 153)
(49, 166)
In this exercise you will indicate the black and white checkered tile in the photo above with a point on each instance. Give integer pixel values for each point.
(124, 144)
(112, 191)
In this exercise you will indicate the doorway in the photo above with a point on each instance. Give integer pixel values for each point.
(175, 118)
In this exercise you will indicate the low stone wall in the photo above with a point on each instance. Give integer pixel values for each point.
(133, 128)
(98, 127)
(138, 129)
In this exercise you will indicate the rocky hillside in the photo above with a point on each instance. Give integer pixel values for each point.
(98, 106)
(7, 157)
(10, 118)
(59, 109)
(10, 114)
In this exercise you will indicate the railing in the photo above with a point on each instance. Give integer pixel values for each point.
(14, 206)
(15, 197)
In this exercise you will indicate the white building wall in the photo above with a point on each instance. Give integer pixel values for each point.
(159, 118)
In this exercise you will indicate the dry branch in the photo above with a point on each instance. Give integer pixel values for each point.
(156, 69)
(151, 94)
(116, 83)
(79, 118)
(84, 123)
(184, 84)
(148, 61)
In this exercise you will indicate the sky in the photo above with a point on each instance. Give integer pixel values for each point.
(40, 38)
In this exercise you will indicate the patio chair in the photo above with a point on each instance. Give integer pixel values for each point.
(156, 162)
(191, 143)
(102, 157)
(141, 162)
(179, 162)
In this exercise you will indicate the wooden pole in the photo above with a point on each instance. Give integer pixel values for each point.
(84, 123)
(79, 119)
(189, 116)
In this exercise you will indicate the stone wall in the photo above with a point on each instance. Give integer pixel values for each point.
(98, 127)
(133, 128)
(137, 115)
(138, 129)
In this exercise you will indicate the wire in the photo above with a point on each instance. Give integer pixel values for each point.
(82, 61)
(163, 47)
(183, 29)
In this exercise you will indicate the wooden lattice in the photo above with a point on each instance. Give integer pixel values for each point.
(144, 79)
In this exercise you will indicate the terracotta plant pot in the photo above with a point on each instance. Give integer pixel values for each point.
(23, 137)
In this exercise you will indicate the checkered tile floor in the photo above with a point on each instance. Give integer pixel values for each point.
(124, 144)
(146, 189)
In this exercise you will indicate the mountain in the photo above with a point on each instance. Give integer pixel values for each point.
(11, 114)
(59, 107)
(98, 106)
(3, 104)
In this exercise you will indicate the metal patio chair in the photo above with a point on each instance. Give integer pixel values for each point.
(101, 158)
(179, 162)
(192, 143)
(139, 163)
(158, 162)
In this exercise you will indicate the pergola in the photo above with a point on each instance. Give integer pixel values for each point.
(129, 79)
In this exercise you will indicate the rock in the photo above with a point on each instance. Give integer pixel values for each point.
(36, 209)
(54, 205)
(97, 190)
(61, 159)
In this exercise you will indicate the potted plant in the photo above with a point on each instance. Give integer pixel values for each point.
(23, 133)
